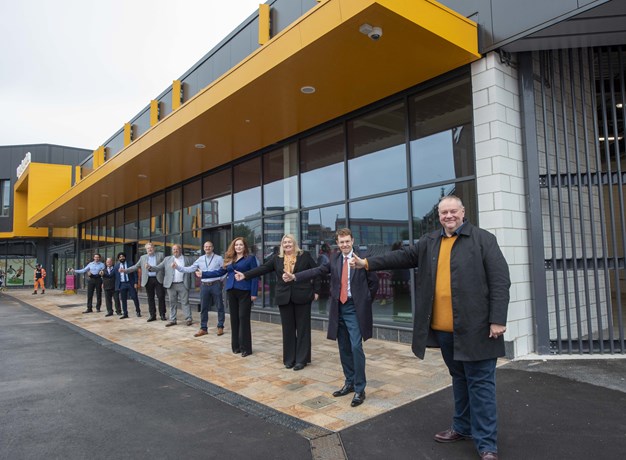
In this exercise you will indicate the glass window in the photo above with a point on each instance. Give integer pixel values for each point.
(173, 204)
(158, 215)
(274, 229)
(425, 216)
(217, 195)
(130, 223)
(5, 196)
(247, 187)
(192, 244)
(377, 151)
(442, 143)
(144, 221)
(322, 176)
(318, 238)
(380, 225)
(119, 225)
(110, 230)
(170, 241)
(192, 206)
(280, 189)
(251, 230)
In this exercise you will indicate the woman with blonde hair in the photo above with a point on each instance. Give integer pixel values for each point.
(241, 293)
(293, 299)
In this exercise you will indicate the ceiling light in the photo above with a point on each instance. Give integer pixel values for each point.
(104, 195)
(199, 146)
(142, 176)
(307, 89)
(81, 208)
(619, 105)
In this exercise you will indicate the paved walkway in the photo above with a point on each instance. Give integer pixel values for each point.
(395, 376)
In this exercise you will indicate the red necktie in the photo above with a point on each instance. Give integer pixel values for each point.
(343, 293)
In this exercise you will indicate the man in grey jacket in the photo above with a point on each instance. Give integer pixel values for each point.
(152, 281)
(176, 283)
(462, 302)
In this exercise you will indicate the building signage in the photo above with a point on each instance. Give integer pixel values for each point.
(23, 165)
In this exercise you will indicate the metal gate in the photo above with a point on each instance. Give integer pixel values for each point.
(580, 292)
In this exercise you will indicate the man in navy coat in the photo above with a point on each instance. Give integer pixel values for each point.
(350, 320)
(126, 284)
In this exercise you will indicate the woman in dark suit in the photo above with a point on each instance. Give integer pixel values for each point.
(240, 294)
(293, 299)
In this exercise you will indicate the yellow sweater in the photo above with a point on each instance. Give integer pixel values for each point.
(442, 306)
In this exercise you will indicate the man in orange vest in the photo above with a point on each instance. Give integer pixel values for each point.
(40, 275)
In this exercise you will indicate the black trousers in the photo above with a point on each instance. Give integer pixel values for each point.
(296, 323)
(94, 284)
(154, 287)
(240, 306)
(111, 295)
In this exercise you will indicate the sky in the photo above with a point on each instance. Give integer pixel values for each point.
(72, 72)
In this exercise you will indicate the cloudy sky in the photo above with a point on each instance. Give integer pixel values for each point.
(72, 72)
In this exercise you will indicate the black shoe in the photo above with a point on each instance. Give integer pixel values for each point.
(299, 367)
(152, 318)
(35, 293)
(138, 314)
(163, 318)
(289, 366)
(245, 353)
(347, 388)
(358, 399)
(236, 351)
(118, 313)
(89, 310)
(123, 316)
(97, 310)
(109, 314)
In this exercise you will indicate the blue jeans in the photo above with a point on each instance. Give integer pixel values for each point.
(350, 345)
(474, 388)
(211, 294)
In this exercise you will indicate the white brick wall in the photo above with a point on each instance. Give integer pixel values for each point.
(501, 185)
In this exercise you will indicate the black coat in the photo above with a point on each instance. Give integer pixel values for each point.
(480, 282)
(363, 286)
(108, 279)
(300, 292)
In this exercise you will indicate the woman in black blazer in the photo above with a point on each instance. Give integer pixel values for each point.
(293, 299)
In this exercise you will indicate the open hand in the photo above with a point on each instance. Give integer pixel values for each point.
(239, 276)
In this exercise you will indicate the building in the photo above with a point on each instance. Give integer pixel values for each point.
(51, 170)
(313, 115)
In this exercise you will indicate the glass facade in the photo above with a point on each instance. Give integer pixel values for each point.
(381, 172)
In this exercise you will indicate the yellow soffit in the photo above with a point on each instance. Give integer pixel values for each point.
(259, 101)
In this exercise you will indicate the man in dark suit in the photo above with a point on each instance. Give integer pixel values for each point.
(126, 284)
(350, 320)
(152, 281)
(108, 283)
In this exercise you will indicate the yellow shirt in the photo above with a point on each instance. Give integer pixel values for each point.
(442, 306)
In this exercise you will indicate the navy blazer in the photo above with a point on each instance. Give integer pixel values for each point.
(363, 286)
(242, 265)
(132, 277)
(108, 279)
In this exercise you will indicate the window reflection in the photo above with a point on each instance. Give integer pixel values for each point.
(425, 216)
(322, 177)
(377, 151)
(252, 231)
(273, 230)
(442, 143)
(130, 223)
(380, 225)
(158, 215)
(144, 221)
(173, 216)
(217, 196)
(280, 189)
(318, 238)
(247, 187)
(192, 208)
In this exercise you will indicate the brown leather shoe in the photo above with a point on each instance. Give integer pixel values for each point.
(200, 333)
(220, 331)
(170, 323)
(189, 322)
(489, 456)
(450, 435)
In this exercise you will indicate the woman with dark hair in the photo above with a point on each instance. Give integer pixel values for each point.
(293, 299)
(240, 294)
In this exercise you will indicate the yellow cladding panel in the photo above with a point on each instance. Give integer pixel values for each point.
(128, 134)
(264, 23)
(154, 112)
(98, 157)
(177, 96)
(71, 232)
